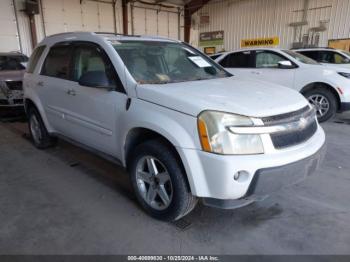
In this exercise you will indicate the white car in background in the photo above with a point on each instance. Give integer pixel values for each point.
(327, 56)
(326, 88)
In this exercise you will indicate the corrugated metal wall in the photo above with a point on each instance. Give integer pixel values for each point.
(58, 16)
(147, 19)
(9, 36)
(245, 19)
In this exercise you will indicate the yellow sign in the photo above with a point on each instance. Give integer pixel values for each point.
(268, 41)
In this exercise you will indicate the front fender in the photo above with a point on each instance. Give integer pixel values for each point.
(178, 128)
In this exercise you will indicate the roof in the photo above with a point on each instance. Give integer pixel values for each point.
(108, 36)
(314, 49)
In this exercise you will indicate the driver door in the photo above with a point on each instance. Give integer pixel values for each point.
(267, 68)
(95, 110)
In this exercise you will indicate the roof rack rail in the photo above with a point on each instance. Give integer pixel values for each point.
(67, 33)
(327, 47)
(118, 34)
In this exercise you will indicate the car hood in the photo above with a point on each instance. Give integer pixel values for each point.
(234, 95)
(11, 75)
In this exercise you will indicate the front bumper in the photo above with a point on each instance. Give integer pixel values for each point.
(267, 181)
(213, 176)
(11, 110)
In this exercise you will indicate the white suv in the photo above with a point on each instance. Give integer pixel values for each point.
(327, 56)
(326, 88)
(182, 126)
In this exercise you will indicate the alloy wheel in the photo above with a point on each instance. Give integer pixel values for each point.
(154, 182)
(35, 129)
(320, 103)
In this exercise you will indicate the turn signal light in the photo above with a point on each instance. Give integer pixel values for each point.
(203, 135)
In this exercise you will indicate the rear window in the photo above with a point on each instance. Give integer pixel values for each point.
(311, 54)
(214, 56)
(237, 60)
(34, 58)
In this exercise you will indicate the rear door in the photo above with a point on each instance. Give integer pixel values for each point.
(239, 63)
(53, 83)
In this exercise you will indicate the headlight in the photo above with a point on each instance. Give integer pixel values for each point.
(347, 75)
(215, 136)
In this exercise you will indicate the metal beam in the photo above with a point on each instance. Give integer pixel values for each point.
(125, 16)
(190, 8)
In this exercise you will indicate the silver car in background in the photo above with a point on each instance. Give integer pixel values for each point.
(12, 68)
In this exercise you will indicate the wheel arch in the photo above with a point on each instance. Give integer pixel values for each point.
(29, 102)
(327, 86)
(139, 135)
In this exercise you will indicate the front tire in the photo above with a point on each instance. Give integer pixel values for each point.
(38, 131)
(158, 180)
(324, 102)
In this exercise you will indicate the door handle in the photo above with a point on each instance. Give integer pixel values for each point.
(40, 83)
(71, 92)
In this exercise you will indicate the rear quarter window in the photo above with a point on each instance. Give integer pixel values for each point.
(34, 58)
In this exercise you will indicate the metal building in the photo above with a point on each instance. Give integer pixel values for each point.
(20, 29)
(282, 23)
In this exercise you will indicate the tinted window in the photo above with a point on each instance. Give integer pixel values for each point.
(300, 58)
(34, 58)
(266, 59)
(311, 54)
(333, 58)
(91, 58)
(12, 62)
(57, 62)
(238, 60)
(214, 56)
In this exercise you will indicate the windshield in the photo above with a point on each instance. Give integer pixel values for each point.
(155, 62)
(301, 58)
(12, 62)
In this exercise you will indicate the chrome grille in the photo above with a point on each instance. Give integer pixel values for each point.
(290, 138)
(14, 85)
(286, 139)
(285, 118)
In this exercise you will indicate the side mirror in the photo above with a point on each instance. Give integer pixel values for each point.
(96, 79)
(285, 65)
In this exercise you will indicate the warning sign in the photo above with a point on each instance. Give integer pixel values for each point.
(269, 41)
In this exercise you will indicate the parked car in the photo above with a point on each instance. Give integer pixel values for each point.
(12, 67)
(327, 89)
(327, 56)
(182, 126)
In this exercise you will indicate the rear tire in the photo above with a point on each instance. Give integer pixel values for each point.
(159, 182)
(38, 131)
(324, 101)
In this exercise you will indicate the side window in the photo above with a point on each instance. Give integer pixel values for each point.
(89, 58)
(333, 58)
(340, 59)
(326, 57)
(34, 58)
(266, 59)
(311, 54)
(57, 62)
(237, 60)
